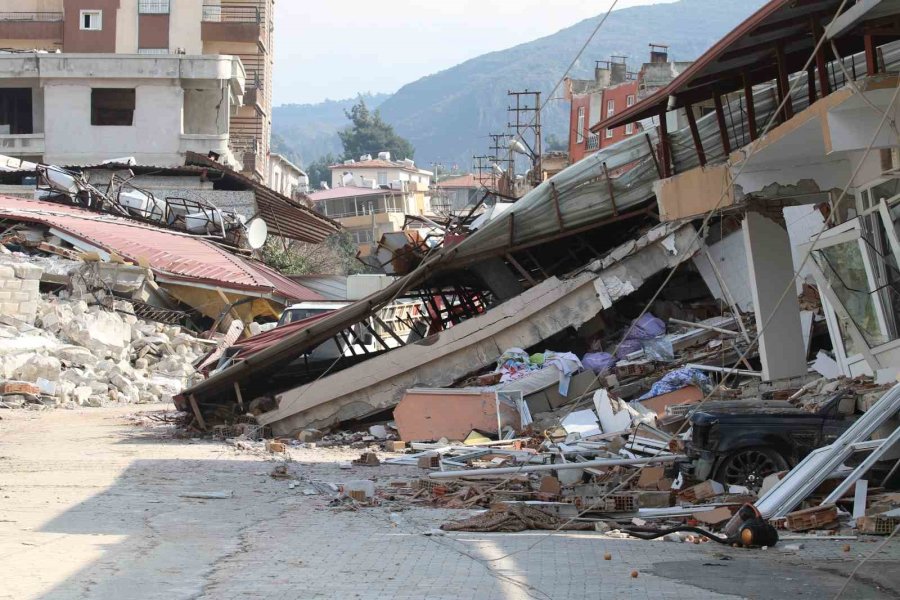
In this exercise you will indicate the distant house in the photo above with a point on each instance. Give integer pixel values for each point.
(285, 177)
(613, 90)
(459, 193)
(366, 213)
(401, 176)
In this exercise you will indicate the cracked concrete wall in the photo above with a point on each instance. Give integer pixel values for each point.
(441, 359)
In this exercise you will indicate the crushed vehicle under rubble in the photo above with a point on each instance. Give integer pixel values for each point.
(742, 442)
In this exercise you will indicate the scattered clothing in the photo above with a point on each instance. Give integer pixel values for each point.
(678, 379)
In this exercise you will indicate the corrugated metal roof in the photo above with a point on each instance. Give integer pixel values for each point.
(745, 55)
(174, 256)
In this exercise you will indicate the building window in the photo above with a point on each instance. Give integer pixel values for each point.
(629, 129)
(91, 20)
(16, 115)
(629, 101)
(382, 178)
(361, 236)
(579, 128)
(609, 133)
(610, 108)
(112, 106)
(153, 7)
(593, 141)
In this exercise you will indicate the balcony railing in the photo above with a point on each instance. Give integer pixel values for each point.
(233, 13)
(362, 212)
(43, 17)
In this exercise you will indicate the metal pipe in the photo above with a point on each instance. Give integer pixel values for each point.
(609, 462)
(727, 370)
(704, 326)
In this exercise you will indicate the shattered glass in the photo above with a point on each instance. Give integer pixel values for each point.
(845, 270)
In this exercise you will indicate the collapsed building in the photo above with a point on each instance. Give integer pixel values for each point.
(575, 259)
(116, 279)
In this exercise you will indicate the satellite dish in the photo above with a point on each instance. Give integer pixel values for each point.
(257, 232)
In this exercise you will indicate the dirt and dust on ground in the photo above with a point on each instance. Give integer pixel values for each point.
(109, 503)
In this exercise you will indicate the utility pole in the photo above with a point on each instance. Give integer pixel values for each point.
(500, 148)
(438, 193)
(527, 127)
(480, 163)
(435, 168)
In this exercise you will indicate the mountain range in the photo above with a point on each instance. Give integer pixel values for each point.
(448, 115)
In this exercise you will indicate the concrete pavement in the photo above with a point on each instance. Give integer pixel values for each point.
(91, 507)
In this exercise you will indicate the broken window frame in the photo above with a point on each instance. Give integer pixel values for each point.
(866, 201)
(875, 253)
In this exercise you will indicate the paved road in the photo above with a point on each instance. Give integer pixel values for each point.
(91, 507)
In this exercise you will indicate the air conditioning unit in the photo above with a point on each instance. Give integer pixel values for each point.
(349, 161)
(409, 162)
(365, 157)
(397, 184)
(384, 156)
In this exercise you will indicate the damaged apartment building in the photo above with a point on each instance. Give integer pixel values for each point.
(792, 169)
(137, 132)
(85, 82)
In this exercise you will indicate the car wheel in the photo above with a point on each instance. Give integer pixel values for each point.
(749, 466)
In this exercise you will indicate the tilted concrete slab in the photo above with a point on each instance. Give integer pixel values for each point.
(443, 358)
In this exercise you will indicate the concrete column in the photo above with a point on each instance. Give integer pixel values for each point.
(771, 269)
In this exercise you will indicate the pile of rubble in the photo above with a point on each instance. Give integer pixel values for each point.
(651, 441)
(80, 345)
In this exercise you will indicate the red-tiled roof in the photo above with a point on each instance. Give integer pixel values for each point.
(173, 256)
(348, 191)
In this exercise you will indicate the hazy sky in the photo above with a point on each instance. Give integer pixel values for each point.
(337, 48)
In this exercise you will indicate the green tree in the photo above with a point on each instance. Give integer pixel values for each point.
(369, 134)
(318, 170)
(335, 256)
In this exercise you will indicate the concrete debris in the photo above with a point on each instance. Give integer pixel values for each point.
(67, 349)
(208, 495)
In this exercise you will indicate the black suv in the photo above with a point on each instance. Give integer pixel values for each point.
(740, 442)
